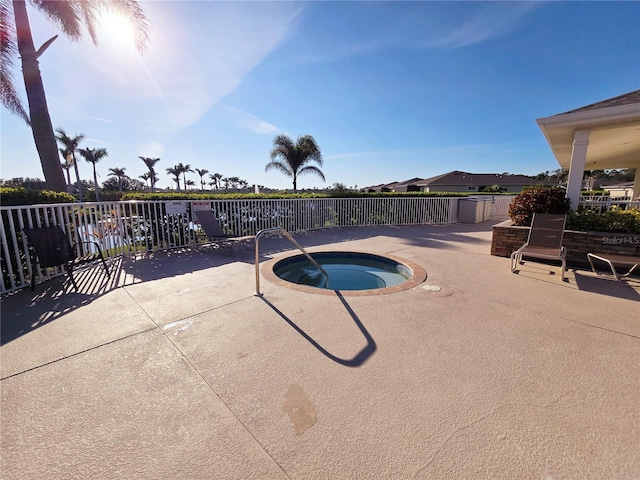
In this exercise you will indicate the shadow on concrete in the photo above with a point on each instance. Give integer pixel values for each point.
(359, 359)
(439, 236)
(24, 311)
(607, 285)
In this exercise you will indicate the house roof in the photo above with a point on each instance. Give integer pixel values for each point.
(465, 178)
(411, 181)
(624, 99)
(614, 141)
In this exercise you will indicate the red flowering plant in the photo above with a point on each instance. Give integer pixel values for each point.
(537, 200)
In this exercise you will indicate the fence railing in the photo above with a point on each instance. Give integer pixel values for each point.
(601, 203)
(122, 228)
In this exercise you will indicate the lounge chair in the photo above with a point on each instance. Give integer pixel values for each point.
(613, 260)
(216, 235)
(544, 241)
(50, 247)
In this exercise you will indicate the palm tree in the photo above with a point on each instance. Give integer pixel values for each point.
(189, 183)
(292, 159)
(215, 180)
(16, 39)
(119, 174)
(66, 165)
(93, 156)
(150, 163)
(70, 145)
(202, 173)
(145, 176)
(176, 171)
(184, 169)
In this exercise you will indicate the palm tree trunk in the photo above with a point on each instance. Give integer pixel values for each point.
(41, 126)
(79, 183)
(95, 182)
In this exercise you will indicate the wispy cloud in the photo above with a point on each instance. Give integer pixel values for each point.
(247, 121)
(199, 53)
(440, 25)
(151, 149)
(490, 21)
(99, 119)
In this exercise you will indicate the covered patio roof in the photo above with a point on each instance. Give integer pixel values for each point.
(600, 136)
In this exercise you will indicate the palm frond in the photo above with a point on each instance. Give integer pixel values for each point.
(280, 166)
(311, 169)
(8, 53)
(71, 16)
(67, 15)
(131, 9)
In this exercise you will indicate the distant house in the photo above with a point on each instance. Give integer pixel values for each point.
(406, 186)
(410, 185)
(383, 187)
(457, 181)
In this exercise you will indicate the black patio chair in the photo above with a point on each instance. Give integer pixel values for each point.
(216, 235)
(50, 247)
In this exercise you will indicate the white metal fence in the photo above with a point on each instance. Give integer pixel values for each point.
(601, 203)
(139, 226)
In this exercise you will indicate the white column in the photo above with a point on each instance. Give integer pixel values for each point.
(636, 185)
(576, 168)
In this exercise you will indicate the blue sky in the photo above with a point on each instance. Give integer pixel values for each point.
(389, 90)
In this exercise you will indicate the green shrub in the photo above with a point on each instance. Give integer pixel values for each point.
(614, 220)
(21, 196)
(537, 200)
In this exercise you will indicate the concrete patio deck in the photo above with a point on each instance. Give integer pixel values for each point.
(174, 369)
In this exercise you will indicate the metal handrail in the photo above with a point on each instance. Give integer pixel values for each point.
(292, 240)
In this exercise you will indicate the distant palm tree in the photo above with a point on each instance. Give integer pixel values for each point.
(292, 159)
(119, 174)
(93, 156)
(176, 172)
(70, 145)
(215, 180)
(189, 183)
(66, 165)
(202, 173)
(184, 169)
(150, 163)
(17, 41)
(145, 176)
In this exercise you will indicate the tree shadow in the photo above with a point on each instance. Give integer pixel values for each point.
(356, 361)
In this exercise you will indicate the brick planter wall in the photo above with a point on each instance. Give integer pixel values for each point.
(507, 238)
